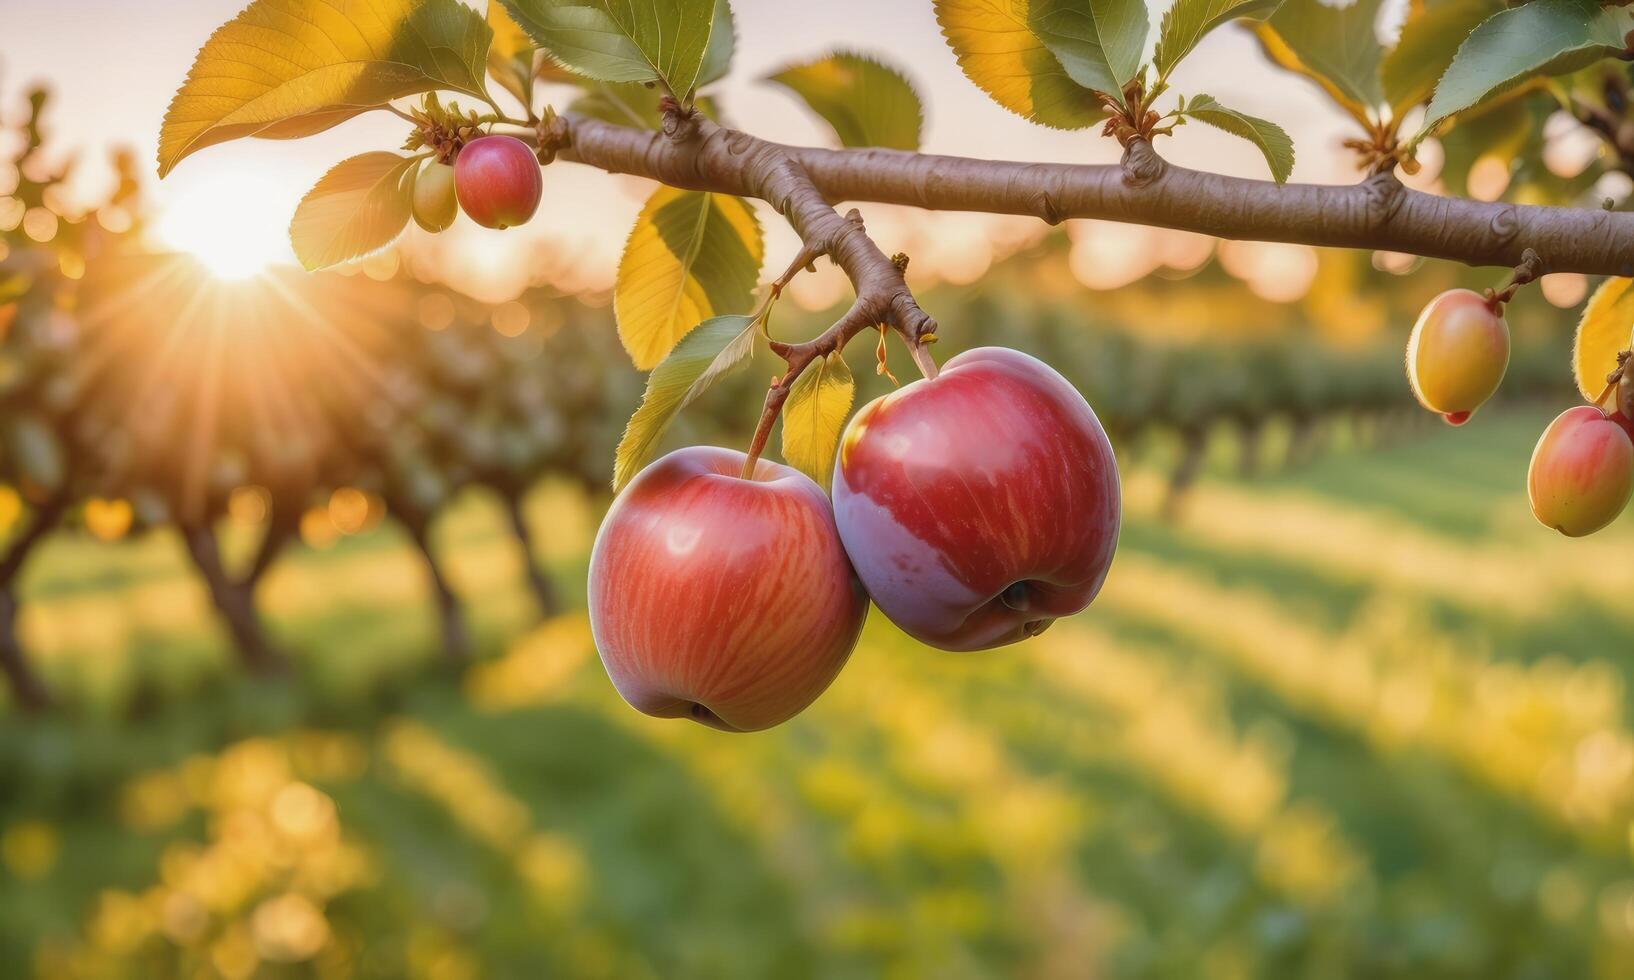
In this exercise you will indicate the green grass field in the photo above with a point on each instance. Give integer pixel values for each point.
(1360, 719)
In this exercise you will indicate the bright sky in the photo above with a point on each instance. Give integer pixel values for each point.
(115, 64)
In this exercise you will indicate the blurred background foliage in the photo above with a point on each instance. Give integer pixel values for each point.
(300, 682)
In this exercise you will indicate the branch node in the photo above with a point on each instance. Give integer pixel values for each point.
(1141, 164)
(1506, 224)
(680, 122)
(1385, 193)
(1528, 270)
(1050, 210)
(554, 135)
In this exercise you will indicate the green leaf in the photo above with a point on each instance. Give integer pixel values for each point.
(1545, 37)
(290, 68)
(1098, 42)
(691, 256)
(1429, 38)
(999, 52)
(707, 353)
(627, 104)
(1272, 140)
(814, 415)
(1503, 131)
(867, 103)
(1336, 47)
(1188, 21)
(623, 40)
(358, 207)
(723, 37)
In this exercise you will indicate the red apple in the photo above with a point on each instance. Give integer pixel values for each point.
(1582, 472)
(980, 506)
(498, 181)
(726, 600)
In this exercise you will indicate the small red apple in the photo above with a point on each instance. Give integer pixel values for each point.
(498, 181)
(1582, 472)
(726, 600)
(980, 506)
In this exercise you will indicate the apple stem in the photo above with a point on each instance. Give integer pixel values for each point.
(776, 395)
(922, 358)
(1529, 269)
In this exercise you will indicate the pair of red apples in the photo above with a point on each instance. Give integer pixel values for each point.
(973, 509)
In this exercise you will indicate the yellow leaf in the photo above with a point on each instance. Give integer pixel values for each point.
(289, 68)
(510, 40)
(109, 520)
(1601, 334)
(1001, 54)
(814, 415)
(510, 56)
(360, 206)
(691, 256)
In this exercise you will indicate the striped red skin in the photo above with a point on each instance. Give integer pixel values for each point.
(726, 600)
(995, 476)
(1582, 472)
(497, 181)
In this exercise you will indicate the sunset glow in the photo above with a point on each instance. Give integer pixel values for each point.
(234, 224)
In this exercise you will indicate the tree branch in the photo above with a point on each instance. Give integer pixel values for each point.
(1377, 213)
(281, 529)
(693, 152)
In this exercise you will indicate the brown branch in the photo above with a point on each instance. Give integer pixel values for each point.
(693, 152)
(1377, 213)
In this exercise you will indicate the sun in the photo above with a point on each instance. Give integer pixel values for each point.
(233, 223)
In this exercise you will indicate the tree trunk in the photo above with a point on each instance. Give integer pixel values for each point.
(235, 602)
(1185, 473)
(456, 638)
(28, 691)
(544, 591)
(1302, 442)
(27, 688)
(1248, 460)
